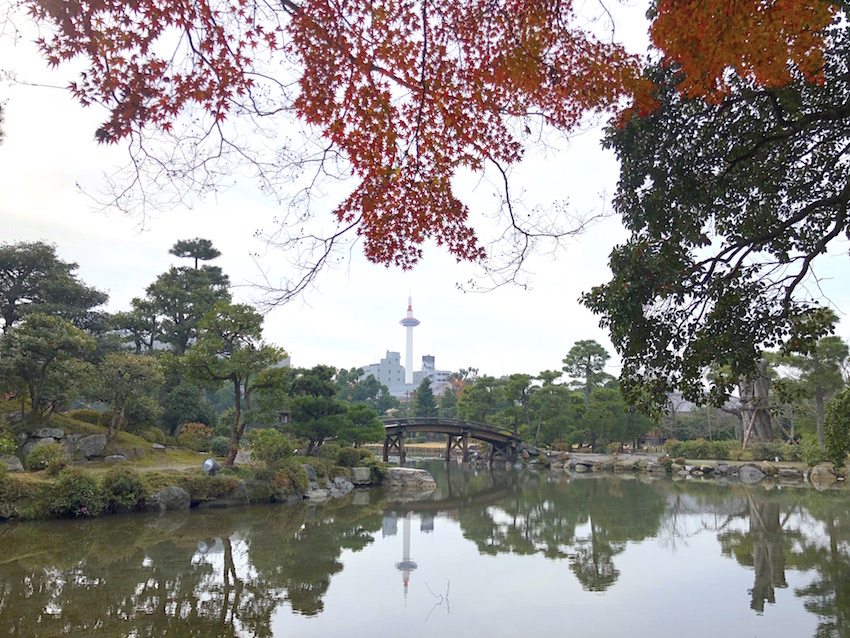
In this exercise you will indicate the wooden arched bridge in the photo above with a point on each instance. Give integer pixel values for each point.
(504, 444)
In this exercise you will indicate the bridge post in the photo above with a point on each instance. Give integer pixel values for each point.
(395, 442)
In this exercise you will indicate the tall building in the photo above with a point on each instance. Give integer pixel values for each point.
(389, 371)
(410, 323)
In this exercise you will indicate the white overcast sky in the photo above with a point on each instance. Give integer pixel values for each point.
(351, 317)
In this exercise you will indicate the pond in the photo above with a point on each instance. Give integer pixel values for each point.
(488, 553)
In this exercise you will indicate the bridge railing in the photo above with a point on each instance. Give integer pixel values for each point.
(426, 420)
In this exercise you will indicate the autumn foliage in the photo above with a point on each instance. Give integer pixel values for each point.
(765, 42)
(409, 93)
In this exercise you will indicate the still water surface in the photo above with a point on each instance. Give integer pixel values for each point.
(488, 554)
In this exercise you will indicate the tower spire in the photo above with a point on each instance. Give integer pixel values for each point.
(409, 322)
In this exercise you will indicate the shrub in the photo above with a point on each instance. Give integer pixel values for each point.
(377, 469)
(836, 428)
(105, 419)
(123, 488)
(220, 446)
(811, 452)
(203, 487)
(76, 494)
(348, 457)
(289, 480)
(269, 446)
(195, 436)
(701, 449)
(328, 451)
(86, 415)
(771, 450)
(52, 456)
(7, 444)
(154, 435)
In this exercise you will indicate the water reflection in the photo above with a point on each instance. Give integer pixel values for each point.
(238, 572)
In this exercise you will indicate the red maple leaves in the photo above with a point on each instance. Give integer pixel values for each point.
(411, 91)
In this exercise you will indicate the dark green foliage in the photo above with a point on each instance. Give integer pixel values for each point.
(154, 435)
(34, 279)
(289, 479)
(378, 469)
(8, 445)
(354, 389)
(269, 446)
(315, 412)
(836, 427)
(76, 494)
(197, 249)
(811, 452)
(202, 487)
(731, 450)
(348, 457)
(52, 456)
(425, 404)
(86, 415)
(124, 489)
(729, 206)
(186, 403)
(219, 445)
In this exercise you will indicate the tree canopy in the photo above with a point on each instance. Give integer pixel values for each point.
(729, 203)
(404, 97)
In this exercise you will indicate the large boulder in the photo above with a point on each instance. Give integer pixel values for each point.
(13, 463)
(822, 475)
(31, 444)
(317, 495)
(339, 487)
(361, 476)
(750, 474)
(87, 447)
(311, 472)
(409, 478)
(170, 498)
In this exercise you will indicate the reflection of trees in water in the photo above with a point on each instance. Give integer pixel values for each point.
(828, 595)
(776, 542)
(147, 576)
(587, 521)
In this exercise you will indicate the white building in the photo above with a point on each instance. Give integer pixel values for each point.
(391, 373)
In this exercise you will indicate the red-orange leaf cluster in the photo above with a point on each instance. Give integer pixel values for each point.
(765, 41)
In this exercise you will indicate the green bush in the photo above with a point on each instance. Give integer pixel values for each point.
(269, 446)
(377, 469)
(86, 415)
(203, 487)
(154, 435)
(811, 452)
(770, 451)
(105, 419)
(836, 428)
(124, 489)
(220, 446)
(52, 456)
(289, 480)
(8, 445)
(76, 494)
(328, 451)
(348, 457)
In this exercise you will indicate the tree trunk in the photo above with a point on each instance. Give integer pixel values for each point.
(234, 428)
(820, 414)
(755, 406)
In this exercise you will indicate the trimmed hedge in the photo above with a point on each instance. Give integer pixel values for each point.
(732, 451)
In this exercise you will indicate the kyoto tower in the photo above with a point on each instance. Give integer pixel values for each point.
(410, 323)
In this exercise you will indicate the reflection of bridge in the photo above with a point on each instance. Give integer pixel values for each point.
(503, 443)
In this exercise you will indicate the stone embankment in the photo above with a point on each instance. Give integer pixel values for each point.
(80, 447)
(659, 465)
(248, 491)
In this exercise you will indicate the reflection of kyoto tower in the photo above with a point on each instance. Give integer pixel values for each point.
(406, 565)
(410, 323)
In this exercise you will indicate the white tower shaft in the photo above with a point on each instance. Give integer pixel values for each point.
(410, 323)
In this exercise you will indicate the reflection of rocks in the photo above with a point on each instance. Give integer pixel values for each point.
(750, 474)
(361, 476)
(409, 478)
(822, 476)
(170, 498)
